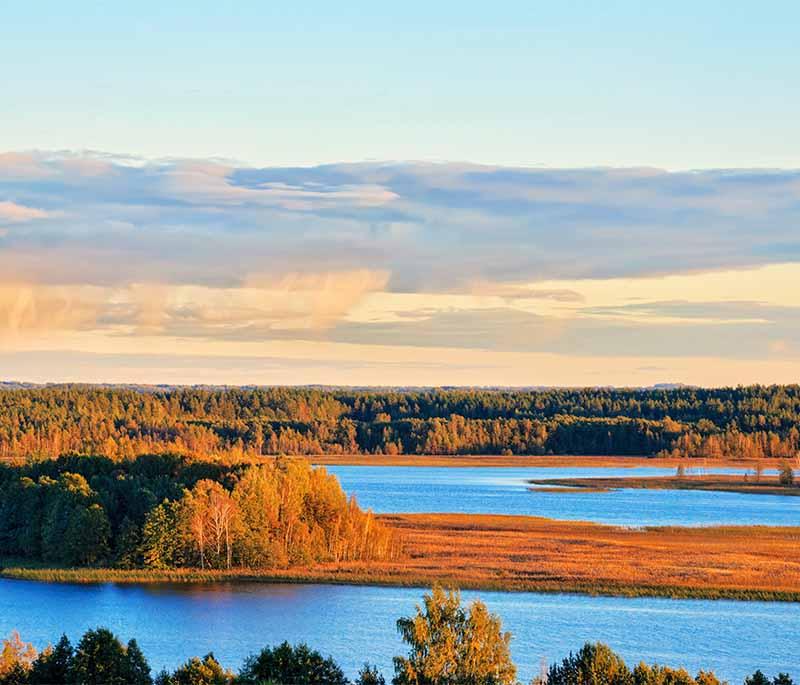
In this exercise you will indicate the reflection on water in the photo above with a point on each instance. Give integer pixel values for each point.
(353, 624)
(488, 490)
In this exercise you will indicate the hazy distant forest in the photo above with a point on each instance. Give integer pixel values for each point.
(754, 421)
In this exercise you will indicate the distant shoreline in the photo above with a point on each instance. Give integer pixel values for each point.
(766, 485)
(529, 554)
(537, 461)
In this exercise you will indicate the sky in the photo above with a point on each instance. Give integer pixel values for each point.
(428, 194)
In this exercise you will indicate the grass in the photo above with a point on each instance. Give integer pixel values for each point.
(516, 553)
(766, 485)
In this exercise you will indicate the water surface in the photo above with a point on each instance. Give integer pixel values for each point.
(498, 490)
(174, 622)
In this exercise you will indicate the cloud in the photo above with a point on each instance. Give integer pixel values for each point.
(31, 307)
(293, 305)
(575, 262)
(11, 212)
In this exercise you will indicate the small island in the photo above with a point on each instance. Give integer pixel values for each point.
(746, 484)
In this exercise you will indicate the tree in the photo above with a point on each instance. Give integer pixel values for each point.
(137, 670)
(786, 475)
(661, 675)
(448, 644)
(205, 671)
(100, 659)
(211, 514)
(161, 541)
(782, 679)
(292, 665)
(758, 678)
(369, 675)
(594, 664)
(16, 658)
(707, 678)
(53, 665)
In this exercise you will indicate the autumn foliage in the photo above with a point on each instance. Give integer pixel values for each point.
(165, 512)
(121, 422)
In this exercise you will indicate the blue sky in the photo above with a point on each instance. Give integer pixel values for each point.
(676, 85)
(497, 194)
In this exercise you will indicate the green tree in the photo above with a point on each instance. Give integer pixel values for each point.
(100, 659)
(161, 541)
(451, 644)
(758, 678)
(594, 664)
(53, 665)
(137, 670)
(291, 665)
(369, 675)
(782, 679)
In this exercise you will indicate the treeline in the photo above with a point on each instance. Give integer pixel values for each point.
(448, 644)
(166, 511)
(753, 421)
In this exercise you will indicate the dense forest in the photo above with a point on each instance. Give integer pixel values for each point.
(167, 511)
(448, 644)
(117, 422)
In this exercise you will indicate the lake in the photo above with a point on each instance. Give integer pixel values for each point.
(353, 624)
(498, 490)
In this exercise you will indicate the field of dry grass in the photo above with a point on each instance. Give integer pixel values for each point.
(525, 553)
(532, 553)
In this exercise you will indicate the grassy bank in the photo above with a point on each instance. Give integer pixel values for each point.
(516, 553)
(766, 485)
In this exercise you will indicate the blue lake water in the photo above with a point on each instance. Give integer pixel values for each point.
(496, 490)
(353, 624)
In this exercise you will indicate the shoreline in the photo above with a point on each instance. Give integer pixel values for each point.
(536, 461)
(528, 554)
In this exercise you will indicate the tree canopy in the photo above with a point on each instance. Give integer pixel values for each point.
(164, 511)
(122, 422)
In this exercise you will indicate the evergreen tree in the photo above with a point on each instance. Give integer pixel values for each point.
(594, 664)
(53, 665)
(137, 670)
(100, 659)
(292, 665)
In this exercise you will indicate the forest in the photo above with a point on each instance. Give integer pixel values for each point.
(167, 511)
(447, 643)
(123, 422)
